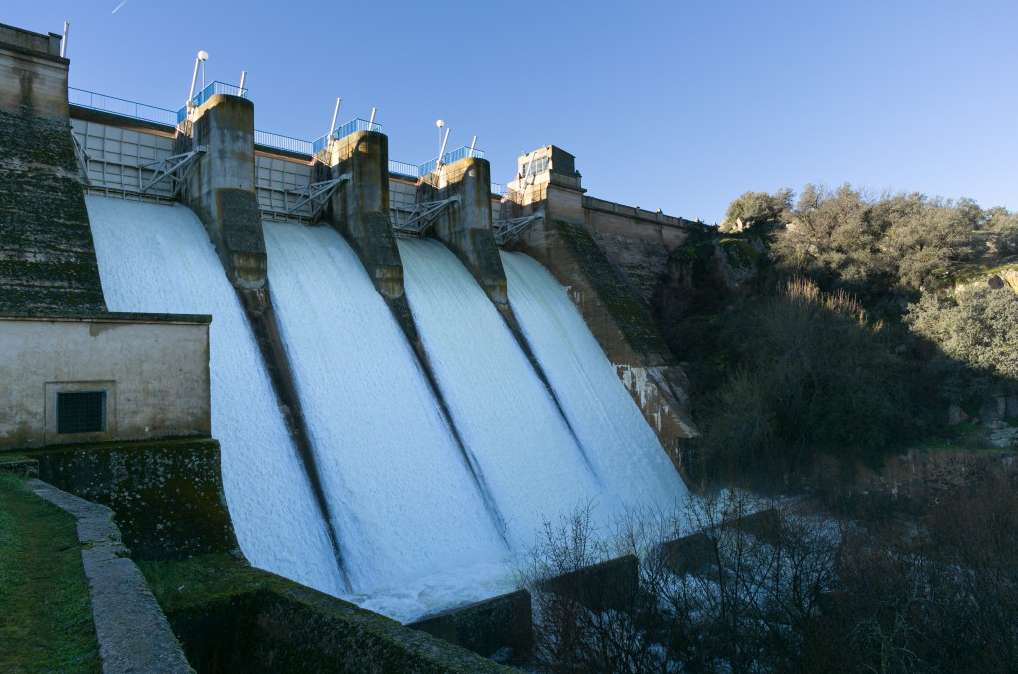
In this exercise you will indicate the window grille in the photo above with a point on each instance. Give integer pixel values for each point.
(81, 412)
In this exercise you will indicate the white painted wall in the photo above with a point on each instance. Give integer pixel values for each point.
(155, 372)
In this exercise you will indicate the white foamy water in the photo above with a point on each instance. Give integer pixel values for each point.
(155, 258)
(402, 496)
(620, 444)
(530, 461)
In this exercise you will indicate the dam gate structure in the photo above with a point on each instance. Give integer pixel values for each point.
(350, 182)
(188, 249)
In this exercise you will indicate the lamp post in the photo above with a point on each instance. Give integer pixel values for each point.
(439, 124)
(203, 56)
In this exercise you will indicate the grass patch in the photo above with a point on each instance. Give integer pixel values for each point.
(45, 611)
(203, 579)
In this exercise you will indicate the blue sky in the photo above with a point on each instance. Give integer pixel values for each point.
(677, 105)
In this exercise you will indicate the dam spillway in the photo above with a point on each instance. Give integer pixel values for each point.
(400, 489)
(525, 451)
(622, 448)
(427, 515)
(159, 258)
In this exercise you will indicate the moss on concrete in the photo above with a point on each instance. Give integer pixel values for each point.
(232, 618)
(47, 257)
(639, 331)
(45, 610)
(167, 495)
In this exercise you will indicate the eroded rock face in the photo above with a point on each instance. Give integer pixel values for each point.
(956, 415)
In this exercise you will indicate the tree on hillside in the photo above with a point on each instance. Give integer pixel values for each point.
(756, 207)
(817, 375)
(977, 326)
(894, 243)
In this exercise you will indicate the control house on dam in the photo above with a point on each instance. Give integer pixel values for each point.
(371, 380)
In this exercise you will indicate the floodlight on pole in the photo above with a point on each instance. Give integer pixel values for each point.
(440, 124)
(203, 56)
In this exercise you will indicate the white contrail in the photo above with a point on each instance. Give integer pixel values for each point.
(119, 6)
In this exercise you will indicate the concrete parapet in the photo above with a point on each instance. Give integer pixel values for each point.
(166, 495)
(278, 626)
(221, 188)
(697, 553)
(359, 209)
(691, 554)
(466, 227)
(132, 632)
(487, 626)
(610, 585)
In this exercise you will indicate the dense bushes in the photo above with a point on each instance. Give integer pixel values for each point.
(847, 334)
(800, 592)
(889, 244)
(818, 375)
(977, 327)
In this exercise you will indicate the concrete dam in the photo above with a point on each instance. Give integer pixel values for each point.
(407, 374)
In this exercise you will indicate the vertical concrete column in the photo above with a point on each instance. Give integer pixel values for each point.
(221, 189)
(359, 209)
(465, 227)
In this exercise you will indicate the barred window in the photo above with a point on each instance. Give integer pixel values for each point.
(81, 412)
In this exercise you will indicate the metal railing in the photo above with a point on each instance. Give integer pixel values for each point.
(279, 142)
(352, 126)
(402, 168)
(450, 157)
(499, 189)
(208, 92)
(120, 106)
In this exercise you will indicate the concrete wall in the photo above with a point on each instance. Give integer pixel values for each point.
(359, 209)
(35, 76)
(154, 368)
(465, 227)
(166, 495)
(594, 268)
(221, 190)
(47, 257)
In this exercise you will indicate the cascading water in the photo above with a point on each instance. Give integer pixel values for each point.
(624, 450)
(423, 520)
(525, 451)
(156, 258)
(414, 531)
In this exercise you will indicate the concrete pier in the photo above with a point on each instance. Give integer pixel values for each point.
(359, 209)
(466, 226)
(221, 189)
